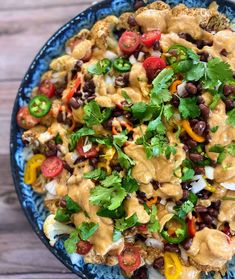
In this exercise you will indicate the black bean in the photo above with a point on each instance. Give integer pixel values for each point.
(77, 68)
(117, 168)
(179, 203)
(204, 194)
(117, 112)
(200, 127)
(158, 263)
(89, 87)
(185, 194)
(122, 80)
(90, 98)
(62, 203)
(191, 143)
(67, 167)
(199, 88)
(141, 273)
(200, 209)
(195, 157)
(204, 111)
(93, 161)
(191, 88)
(156, 45)
(141, 196)
(199, 170)
(228, 90)
(185, 185)
(140, 237)
(88, 77)
(206, 218)
(138, 4)
(224, 52)
(51, 149)
(131, 21)
(60, 117)
(59, 92)
(171, 248)
(187, 243)
(201, 43)
(108, 124)
(175, 101)
(79, 160)
(201, 226)
(213, 212)
(185, 147)
(73, 103)
(155, 184)
(204, 56)
(200, 100)
(186, 37)
(216, 204)
(230, 104)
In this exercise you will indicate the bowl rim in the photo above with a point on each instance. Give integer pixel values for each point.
(13, 146)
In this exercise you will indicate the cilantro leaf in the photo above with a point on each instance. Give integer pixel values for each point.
(219, 70)
(113, 214)
(153, 224)
(231, 117)
(214, 129)
(62, 215)
(86, 230)
(119, 139)
(74, 137)
(105, 141)
(215, 100)
(221, 157)
(217, 148)
(192, 55)
(125, 161)
(168, 111)
(97, 174)
(93, 114)
(160, 92)
(231, 149)
(188, 108)
(70, 244)
(188, 174)
(170, 150)
(126, 223)
(156, 126)
(117, 235)
(71, 205)
(126, 97)
(196, 72)
(113, 180)
(130, 184)
(185, 208)
(142, 111)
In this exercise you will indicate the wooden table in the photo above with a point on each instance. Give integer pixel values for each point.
(25, 26)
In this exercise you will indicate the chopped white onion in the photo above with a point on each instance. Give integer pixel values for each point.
(152, 242)
(109, 80)
(110, 55)
(198, 184)
(183, 254)
(44, 137)
(87, 147)
(170, 207)
(132, 60)
(228, 185)
(51, 187)
(27, 153)
(163, 201)
(155, 53)
(181, 89)
(154, 274)
(209, 172)
(232, 25)
(141, 56)
(74, 156)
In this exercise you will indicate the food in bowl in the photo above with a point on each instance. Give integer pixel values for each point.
(131, 139)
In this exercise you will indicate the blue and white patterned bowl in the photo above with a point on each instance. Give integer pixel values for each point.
(31, 202)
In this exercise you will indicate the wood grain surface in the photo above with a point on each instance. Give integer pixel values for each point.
(25, 26)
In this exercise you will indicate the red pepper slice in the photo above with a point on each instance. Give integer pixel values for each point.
(73, 90)
(192, 227)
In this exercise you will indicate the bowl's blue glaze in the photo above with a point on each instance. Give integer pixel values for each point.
(31, 202)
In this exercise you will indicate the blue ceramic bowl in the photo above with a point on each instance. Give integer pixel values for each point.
(31, 202)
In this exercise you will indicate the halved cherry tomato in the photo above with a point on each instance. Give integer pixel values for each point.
(149, 38)
(83, 247)
(47, 88)
(142, 228)
(90, 153)
(153, 65)
(129, 259)
(25, 120)
(129, 42)
(52, 167)
(192, 227)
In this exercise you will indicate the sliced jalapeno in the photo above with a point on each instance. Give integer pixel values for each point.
(176, 53)
(121, 65)
(175, 230)
(104, 65)
(39, 106)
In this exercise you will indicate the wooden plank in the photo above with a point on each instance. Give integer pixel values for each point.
(29, 4)
(22, 34)
(39, 276)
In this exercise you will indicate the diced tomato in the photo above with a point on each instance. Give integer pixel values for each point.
(52, 167)
(129, 42)
(153, 65)
(90, 153)
(25, 120)
(129, 259)
(192, 227)
(142, 228)
(83, 247)
(47, 88)
(149, 38)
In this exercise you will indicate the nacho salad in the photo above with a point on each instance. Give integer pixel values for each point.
(130, 138)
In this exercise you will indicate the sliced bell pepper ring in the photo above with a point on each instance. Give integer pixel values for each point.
(30, 172)
(151, 202)
(191, 133)
(121, 65)
(191, 227)
(172, 266)
(39, 106)
(73, 90)
(174, 85)
(175, 230)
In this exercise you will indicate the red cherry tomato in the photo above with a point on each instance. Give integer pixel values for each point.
(47, 88)
(129, 42)
(149, 38)
(90, 153)
(52, 167)
(129, 259)
(25, 120)
(83, 247)
(142, 228)
(153, 65)
(192, 227)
